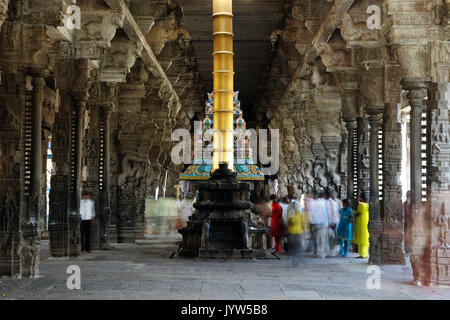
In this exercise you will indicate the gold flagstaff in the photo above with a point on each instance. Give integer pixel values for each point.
(223, 76)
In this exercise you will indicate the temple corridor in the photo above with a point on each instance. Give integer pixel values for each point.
(96, 97)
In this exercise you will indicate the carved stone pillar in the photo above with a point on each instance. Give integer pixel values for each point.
(29, 223)
(417, 94)
(349, 85)
(74, 214)
(60, 191)
(393, 252)
(350, 124)
(91, 166)
(375, 222)
(438, 215)
(363, 158)
(105, 218)
(36, 145)
(419, 257)
(11, 173)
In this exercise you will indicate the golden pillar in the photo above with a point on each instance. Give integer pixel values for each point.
(223, 76)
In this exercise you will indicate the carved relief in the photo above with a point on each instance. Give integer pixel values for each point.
(132, 180)
(439, 9)
(351, 31)
(439, 136)
(330, 57)
(441, 221)
(101, 27)
(165, 30)
(320, 179)
(7, 211)
(332, 162)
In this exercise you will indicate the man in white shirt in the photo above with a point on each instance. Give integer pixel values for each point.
(318, 218)
(87, 212)
(334, 206)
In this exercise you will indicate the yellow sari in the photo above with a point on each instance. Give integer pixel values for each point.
(361, 229)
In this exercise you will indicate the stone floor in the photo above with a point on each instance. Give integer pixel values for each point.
(144, 271)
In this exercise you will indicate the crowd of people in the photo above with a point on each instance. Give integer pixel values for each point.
(318, 222)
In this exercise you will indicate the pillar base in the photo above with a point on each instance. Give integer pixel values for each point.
(127, 232)
(10, 256)
(392, 251)
(59, 238)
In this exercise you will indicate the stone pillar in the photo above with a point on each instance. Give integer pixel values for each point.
(350, 124)
(375, 222)
(113, 176)
(393, 252)
(60, 191)
(417, 94)
(438, 164)
(419, 257)
(106, 194)
(36, 146)
(363, 158)
(74, 214)
(11, 175)
(29, 223)
(91, 166)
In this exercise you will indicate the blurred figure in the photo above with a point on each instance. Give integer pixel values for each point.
(277, 223)
(408, 222)
(333, 207)
(184, 207)
(361, 226)
(285, 201)
(306, 236)
(344, 230)
(294, 231)
(87, 212)
(263, 209)
(318, 218)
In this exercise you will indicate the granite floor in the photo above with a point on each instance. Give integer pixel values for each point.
(145, 271)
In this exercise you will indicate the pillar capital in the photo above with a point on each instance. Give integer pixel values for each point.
(38, 84)
(350, 122)
(374, 115)
(415, 84)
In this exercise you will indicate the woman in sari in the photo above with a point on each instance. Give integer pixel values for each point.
(361, 227)
(277, 225)
(344, 230)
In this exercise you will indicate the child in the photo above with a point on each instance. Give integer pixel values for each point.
(345, 227)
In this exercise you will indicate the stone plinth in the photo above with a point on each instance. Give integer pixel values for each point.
(219, 228)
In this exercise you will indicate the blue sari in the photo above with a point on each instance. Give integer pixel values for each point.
(344, 230)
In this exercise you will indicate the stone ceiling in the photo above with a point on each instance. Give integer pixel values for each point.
(254, 21)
